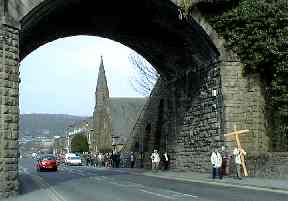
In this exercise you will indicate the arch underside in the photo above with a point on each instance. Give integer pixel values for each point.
(152, 28)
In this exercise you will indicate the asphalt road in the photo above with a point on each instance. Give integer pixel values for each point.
(95, 184)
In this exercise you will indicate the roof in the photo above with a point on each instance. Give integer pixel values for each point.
(124, 113)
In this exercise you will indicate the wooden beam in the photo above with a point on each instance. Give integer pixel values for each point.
(236, 132)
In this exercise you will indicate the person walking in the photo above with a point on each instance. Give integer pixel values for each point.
(216, 160)
(132, 160)
(88, 160)
(155, 158)
(100, 160)
(237, 156)
(165, 160)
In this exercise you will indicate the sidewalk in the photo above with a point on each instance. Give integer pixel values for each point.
(275, 185)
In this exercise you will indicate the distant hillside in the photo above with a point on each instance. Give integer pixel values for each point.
(46, 124)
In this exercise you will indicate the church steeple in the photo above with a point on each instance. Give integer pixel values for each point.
(102, 115)
(102, 81)
(102, 91)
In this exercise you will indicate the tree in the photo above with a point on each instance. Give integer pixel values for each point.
(145, 76)
(79, 144)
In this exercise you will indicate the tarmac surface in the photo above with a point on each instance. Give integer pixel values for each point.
(106, 184)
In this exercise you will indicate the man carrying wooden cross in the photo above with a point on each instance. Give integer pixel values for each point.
(238, 152)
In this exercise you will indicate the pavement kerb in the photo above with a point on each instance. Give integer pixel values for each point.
(227, 184)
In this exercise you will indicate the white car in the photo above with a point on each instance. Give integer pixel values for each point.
(73, 160)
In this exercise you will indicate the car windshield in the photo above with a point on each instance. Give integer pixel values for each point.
(48, 158)
(75, 158)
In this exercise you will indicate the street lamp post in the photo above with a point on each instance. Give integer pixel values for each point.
(115, 142)
(68, 144)
(142, 151)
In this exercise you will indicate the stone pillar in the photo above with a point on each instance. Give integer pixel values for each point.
(244, 106)
(9, 110)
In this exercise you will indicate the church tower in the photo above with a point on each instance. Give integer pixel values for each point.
(102, 139)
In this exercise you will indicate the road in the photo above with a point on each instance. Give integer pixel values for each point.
(97, 184)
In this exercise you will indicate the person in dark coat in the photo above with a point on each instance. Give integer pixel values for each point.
(132, 160)
(165, 160)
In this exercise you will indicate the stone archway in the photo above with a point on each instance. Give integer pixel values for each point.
(152, 28)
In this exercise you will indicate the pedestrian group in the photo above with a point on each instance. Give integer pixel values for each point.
(219, 166)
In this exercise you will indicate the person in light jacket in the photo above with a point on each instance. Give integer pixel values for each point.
(155, 158)
(216, 160)
(237, 155)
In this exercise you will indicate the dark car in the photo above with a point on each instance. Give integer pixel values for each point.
(47, 162)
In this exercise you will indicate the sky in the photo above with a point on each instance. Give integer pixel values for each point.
(60, 77)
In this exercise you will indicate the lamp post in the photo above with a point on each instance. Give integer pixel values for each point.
(115, 142)
(142, 151)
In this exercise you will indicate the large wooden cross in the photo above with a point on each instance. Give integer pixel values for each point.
(236, 134)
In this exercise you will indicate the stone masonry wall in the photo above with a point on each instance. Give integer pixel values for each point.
(244, 107)
(183, 117)
(199, 107)
(198, 124)
(243, 96)
(9, 112)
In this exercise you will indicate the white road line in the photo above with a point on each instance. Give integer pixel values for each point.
(182, 194)
(117, 184)
(157, 194)
(74, 171)
(135, 184)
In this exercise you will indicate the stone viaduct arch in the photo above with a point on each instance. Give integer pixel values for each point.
(174, 47)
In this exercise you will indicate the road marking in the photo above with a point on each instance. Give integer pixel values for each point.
(135, 184)
(174, 194)
(182, 194)
(118, 184)
(74, 171)
(157, 194)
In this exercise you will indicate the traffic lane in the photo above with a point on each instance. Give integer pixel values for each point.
(204, 191)
(208, 191)
(29, 177)
(66, 173)
(107, 188)
(82, 183)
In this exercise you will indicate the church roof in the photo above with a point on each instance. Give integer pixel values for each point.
(124, 113)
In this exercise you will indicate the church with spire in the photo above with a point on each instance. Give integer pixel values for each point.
(101, 116)
(112, 117)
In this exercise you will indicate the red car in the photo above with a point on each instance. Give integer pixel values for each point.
(47, 162)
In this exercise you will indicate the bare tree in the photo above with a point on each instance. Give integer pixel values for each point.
(145, 76)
